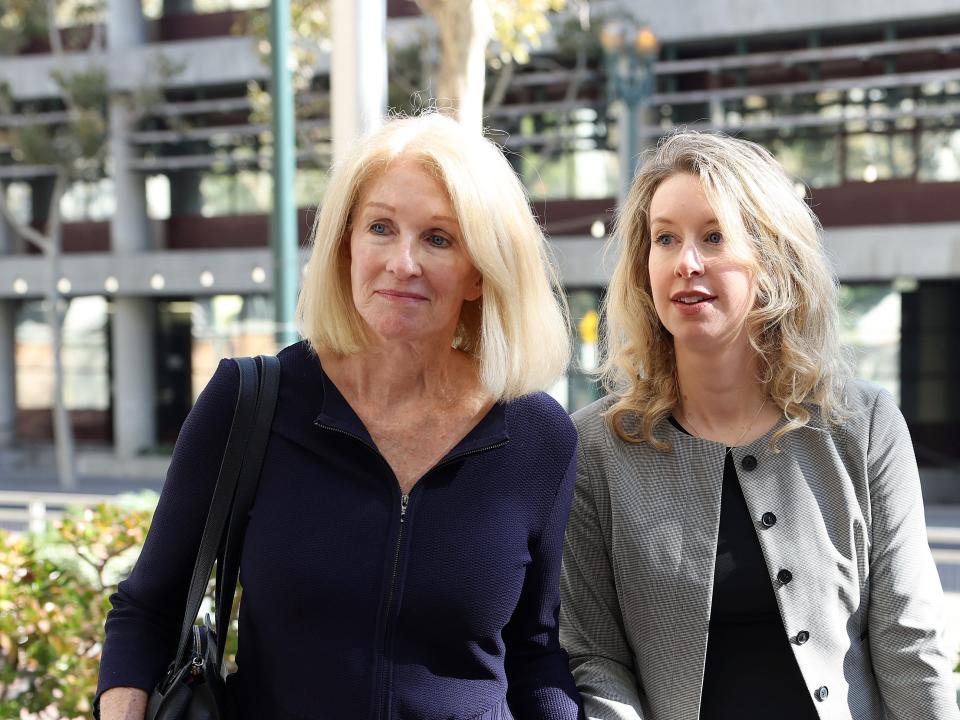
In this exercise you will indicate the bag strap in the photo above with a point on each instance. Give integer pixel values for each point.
(244, 421)
(228, 562)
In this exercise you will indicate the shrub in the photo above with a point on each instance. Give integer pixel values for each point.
(54, 597)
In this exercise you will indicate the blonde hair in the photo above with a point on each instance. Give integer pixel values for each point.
(793, 326)
(518, 327)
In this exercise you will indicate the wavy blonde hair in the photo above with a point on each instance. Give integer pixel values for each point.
(793, 326)
(518, 327)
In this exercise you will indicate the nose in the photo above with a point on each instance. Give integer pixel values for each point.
(403, 261)
(689, 262)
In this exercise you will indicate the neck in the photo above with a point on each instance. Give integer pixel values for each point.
(720, 397)
(393, 373)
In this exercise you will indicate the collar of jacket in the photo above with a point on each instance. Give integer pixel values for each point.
(305, 387)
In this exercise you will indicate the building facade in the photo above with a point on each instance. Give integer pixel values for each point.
(167, 263)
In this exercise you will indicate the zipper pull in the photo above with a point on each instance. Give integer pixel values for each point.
(404, 501)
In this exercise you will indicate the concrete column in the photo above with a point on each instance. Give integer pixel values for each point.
(134, 376)
(8, 393)
(130, 227)
(358, 70)
(126, 26)
(132, 334)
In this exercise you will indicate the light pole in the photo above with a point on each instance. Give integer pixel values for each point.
(630, 47)
(284, 236)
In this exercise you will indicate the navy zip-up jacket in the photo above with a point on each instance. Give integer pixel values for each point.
(357, 602)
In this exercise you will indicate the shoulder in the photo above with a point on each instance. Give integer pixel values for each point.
(867, 408)
(863, 396)
(870, 425)
(538, 414)
(591, 423)
(219, 396)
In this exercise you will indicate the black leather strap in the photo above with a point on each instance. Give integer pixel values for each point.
(246, 419)
(228, 565)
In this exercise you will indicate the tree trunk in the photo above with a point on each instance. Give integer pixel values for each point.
(51, 245)
(62, 430)
(465, 28)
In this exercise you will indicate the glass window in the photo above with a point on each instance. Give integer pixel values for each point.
(571, 174)
(227, 326)
(246, 191)
(564, 155)
(19, 201)
(874, 156)
(85, 355)
(580, 387)
(870, 329)
(95, 200)
(939, 155)
(812, 160)
(158, 197)
(310, 185)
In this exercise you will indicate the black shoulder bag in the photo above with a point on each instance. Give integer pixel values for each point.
(194, 688)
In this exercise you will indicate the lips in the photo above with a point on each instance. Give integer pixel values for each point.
(400, 295)
(689, 298)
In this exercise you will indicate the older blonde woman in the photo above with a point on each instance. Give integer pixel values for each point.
(747, 537)
(402, 557)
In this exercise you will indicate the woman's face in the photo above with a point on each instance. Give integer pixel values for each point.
(409, 271)
(701, 289)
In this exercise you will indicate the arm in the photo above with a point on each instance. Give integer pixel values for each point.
(539, 682)
(122, 703)
(143, 627)
(904, 619)
(591, 624)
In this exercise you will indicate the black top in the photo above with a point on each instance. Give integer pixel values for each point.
(750, 671)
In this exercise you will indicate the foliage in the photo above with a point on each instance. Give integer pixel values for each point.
(79, 144)
(309, 37)
(54, 594)
(519, 26)
(21, 21)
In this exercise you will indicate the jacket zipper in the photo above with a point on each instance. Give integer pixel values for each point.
(404, 502)
(387, 628)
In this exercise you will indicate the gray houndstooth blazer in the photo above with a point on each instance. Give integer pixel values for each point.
(641, 545)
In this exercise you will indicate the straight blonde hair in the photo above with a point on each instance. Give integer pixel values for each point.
(518, 328)
(793, 326)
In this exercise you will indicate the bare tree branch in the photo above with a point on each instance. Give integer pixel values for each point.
(54, 218)
(500, 87)
(28, 233)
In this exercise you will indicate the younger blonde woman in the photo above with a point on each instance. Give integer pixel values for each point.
(747, 538)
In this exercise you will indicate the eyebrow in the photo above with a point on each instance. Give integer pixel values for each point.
(391, 208)
(667, 220)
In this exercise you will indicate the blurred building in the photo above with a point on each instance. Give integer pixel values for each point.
(168, 261)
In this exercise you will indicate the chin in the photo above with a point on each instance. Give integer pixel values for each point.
(697, 340)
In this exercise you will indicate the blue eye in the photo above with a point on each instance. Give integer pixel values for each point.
(438, 241)
(714, 238)
(378, 228)
(663, 239)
